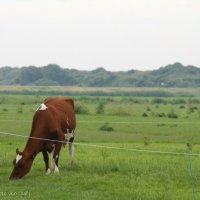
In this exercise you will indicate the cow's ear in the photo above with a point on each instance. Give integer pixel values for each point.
(17, 151)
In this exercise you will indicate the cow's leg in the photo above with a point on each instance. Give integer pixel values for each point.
(56, 151)
(71, 150)
(46, 160)
(56, 157)
(57, 160)
(52, 160)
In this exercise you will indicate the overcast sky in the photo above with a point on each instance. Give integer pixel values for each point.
(86, 34)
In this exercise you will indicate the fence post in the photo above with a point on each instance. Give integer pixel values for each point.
(190, 172)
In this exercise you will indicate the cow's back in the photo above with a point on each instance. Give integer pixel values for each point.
(59, 100)
(62, 108)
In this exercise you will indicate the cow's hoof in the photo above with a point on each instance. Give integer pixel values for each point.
(56, 170)
(48, 172)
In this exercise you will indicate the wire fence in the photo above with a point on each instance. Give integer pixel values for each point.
(110, 122)
(101, 146)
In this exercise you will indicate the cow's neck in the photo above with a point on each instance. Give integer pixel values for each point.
(32, 148)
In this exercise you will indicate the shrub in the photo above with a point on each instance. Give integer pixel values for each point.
(161, 124)
(148, 109)
(192, 108)
(159, 101)
(81, 109)
(106, 127)
(178, 101)
(100, 108)
(194, 101)
(172, 115)
(144, 115)
(160, 115)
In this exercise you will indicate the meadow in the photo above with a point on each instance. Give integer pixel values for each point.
(164, 124)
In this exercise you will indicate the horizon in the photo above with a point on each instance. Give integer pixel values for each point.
(18, 67)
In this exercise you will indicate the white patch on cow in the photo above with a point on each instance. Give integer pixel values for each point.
(48, 172)
(56, 170)
(52, 160)
(52, 164)
(18, 158)
(54, 167)
(68, 136)
(42, 107)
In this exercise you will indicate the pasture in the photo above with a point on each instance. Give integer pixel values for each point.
(142, 123)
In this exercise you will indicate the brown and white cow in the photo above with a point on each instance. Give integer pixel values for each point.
(53, 120)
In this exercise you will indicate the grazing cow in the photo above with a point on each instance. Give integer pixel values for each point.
(53, 120)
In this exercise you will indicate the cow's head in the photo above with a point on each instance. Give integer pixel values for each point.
(22, 165)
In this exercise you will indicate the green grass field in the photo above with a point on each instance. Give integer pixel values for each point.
(154, 124)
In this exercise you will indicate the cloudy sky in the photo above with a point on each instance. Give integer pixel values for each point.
(86, 34)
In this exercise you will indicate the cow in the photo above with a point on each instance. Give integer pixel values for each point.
(53, 125)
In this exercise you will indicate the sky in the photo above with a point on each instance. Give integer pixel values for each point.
(117, 35)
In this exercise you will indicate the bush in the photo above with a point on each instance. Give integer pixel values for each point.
(159, 101)
(148, 109)
(178, 101)
(81, 109)
(194, 101)
(106, 127)
(100, 108)
(192, 109)
(160, 115)
(144, 115)
(172, 115)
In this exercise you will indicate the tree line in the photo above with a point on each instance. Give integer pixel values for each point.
(173, 75)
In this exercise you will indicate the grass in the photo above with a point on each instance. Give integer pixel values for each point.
(100, 91)
(106, 174)
(103, 173)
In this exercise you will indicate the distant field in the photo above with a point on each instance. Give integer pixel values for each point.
(142, 123)
(96, 91)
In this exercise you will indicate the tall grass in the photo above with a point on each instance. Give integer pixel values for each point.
(108, 91)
